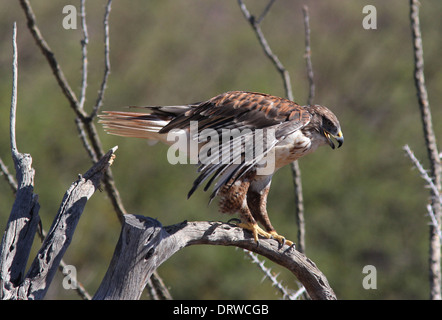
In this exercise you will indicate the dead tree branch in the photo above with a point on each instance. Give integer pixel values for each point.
(13, 112)
(45, 264)
(424, 174)
(103, 85)
(146, 245)
(42, 270)
(431, 145)
(84, 43)
(23, 169)
(8, 176)
(268, 274)
(308, 56)
(24, 219)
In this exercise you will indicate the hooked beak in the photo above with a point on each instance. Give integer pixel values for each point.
(339, 138)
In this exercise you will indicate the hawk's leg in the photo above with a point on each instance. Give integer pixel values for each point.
(233, 198)
(257, 203)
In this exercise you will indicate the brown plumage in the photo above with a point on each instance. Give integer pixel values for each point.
(258, 134)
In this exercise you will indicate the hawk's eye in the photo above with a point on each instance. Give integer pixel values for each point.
(328, 123)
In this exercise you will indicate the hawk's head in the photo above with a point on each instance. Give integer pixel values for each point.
(325, 125)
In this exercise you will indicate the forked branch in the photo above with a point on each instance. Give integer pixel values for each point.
(147, 244)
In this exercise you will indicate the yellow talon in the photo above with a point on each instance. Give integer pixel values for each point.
(280, 238)
(256, 230)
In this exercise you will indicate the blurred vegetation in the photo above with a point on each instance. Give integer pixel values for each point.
(364, 204)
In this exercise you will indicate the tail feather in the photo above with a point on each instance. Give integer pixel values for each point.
(133, 124)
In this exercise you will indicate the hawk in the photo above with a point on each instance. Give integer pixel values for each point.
(242, 139)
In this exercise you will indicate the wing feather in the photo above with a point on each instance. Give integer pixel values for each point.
(240, 110)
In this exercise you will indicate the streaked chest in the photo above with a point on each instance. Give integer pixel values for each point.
(293, 147)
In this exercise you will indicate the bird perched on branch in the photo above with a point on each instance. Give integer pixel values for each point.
(238, 139)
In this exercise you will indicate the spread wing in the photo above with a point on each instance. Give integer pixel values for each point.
(242, 113)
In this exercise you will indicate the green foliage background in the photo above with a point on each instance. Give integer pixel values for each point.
(364, 204)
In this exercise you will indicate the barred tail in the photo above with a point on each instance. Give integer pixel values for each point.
(133, 124)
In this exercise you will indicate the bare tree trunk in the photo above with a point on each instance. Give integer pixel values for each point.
(433, 154)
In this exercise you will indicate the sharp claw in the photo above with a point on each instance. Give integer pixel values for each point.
(256, 231)
(281, 239)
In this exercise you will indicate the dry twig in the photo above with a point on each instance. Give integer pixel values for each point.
(424, 174)
(433, 154)
(308, 56)
(273, 278)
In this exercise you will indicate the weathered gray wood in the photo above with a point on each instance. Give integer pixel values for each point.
(20, 229)
(144, 245)
(23, 220)
(44, 266)
(62, 230)
(137, 255)
(219, 233)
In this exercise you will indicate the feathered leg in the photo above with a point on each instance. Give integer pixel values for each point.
(233, 198)
(257, 203)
